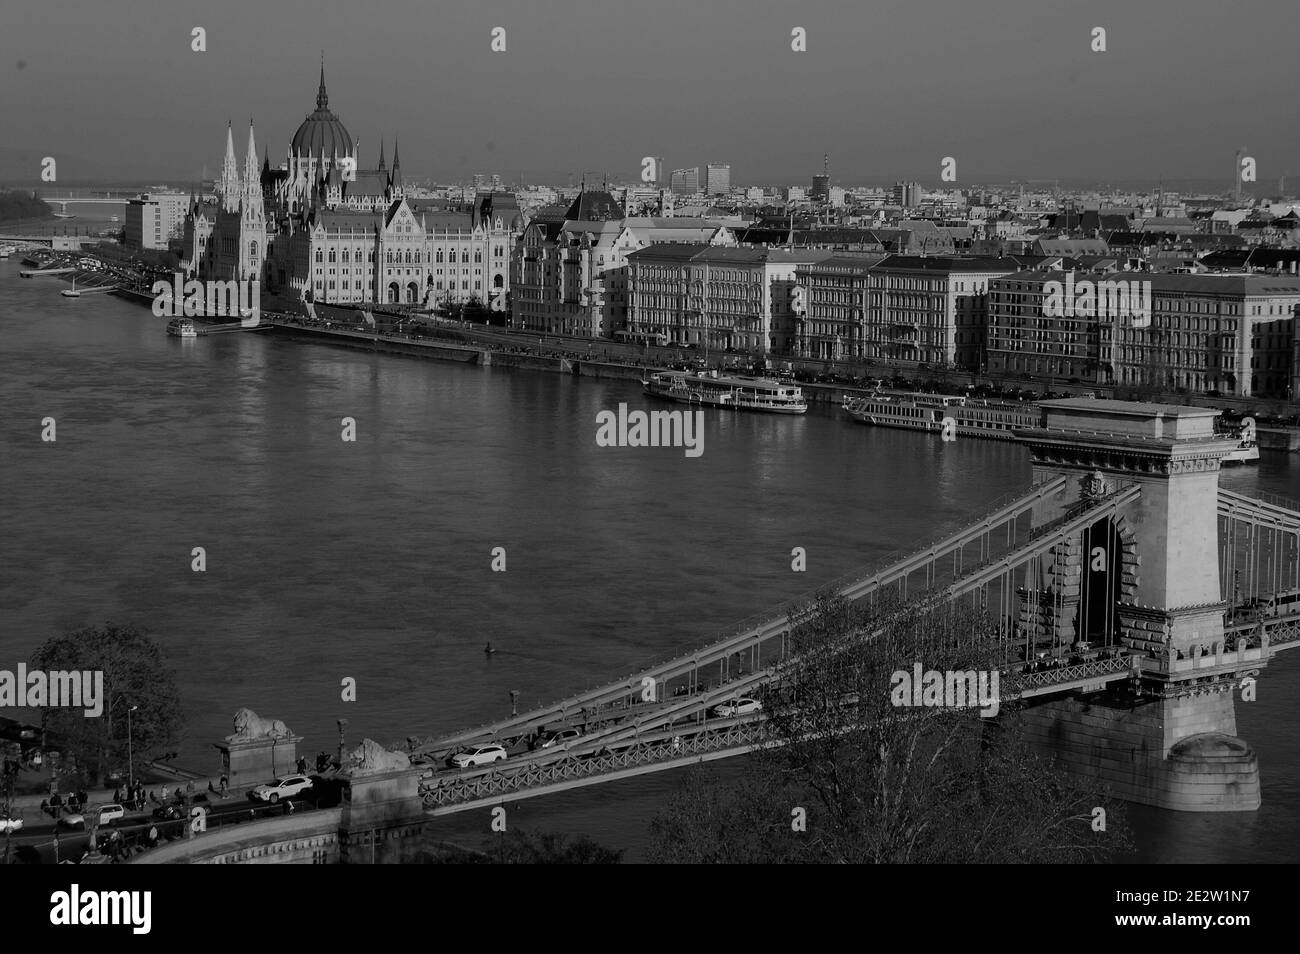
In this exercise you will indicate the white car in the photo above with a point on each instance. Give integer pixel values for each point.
(478, 755)
(560, 737)
(737, 707)
(10, 824)
(108, 814)
(285, 787)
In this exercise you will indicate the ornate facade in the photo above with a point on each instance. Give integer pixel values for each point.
(321, 229)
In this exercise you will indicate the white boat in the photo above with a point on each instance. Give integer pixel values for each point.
(114, 218)
(182, 328)
(742, 392)
(996, 420)
(71, 292)
(1246, 452)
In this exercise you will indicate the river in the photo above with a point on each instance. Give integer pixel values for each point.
(371, 559)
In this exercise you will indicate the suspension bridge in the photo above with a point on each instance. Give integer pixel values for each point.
(1105, 576)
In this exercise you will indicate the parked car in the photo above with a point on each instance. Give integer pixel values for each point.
(737, 707)
(559, 737)
(72, 820)
(10, 824)
(285, 787)
(478, 755)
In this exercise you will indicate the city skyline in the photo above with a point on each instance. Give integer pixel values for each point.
(767, 110)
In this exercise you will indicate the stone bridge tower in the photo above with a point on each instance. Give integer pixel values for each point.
(1169, 737)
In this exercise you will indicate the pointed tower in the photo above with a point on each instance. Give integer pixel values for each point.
(252, 180)
(229, 185)
(397, 170)
(381, 155)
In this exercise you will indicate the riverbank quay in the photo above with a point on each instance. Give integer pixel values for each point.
(418, 334)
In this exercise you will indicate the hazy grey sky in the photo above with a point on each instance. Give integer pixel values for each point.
(1010, 88)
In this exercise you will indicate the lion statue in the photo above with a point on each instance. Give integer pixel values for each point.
(249, 726)
(370, 758)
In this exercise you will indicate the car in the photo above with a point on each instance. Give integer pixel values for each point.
(559, 737)
(478, 755)
(737, 707)
(108, 814)
(72, 820)
(286, 786)
(10, 824)
(168, 813)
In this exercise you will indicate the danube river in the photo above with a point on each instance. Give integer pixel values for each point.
(371, 559)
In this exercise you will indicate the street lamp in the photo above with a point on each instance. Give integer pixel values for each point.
(130, 752)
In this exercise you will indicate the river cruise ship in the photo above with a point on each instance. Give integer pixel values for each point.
(711, 389)
(182, 328)
(996, 420)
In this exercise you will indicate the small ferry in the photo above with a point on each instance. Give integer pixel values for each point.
(1247, 449)
(742, 392)
(182, 328)
(996, 420)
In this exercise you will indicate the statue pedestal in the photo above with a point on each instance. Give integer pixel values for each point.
(379, 810)
(252, 762)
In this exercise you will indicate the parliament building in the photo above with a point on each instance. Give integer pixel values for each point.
(319, 228)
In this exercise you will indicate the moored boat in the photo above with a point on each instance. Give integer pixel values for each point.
(996, 420)
(742, 392)
(182, 328)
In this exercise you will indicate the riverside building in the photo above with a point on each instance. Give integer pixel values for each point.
(1231, 333)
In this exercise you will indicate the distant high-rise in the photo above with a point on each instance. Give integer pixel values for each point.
(821, 185)
(717, 179)
(907, 194)
(686, 180)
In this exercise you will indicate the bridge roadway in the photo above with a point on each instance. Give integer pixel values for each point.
(647, 744)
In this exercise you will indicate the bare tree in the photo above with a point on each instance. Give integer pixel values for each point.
(856, 777)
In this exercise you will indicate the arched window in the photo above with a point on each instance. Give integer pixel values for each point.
(320, 255)
(346, 257)
(478, 256)
(464, 256)
(440, 256)
(252, 249)
(388, 256)
(332, 255)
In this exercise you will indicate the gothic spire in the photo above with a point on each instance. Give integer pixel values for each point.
(322, 97)
(397, 166)
(229, 172)
(381, 155)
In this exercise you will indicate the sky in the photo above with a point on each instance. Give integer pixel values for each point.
(1010, 89)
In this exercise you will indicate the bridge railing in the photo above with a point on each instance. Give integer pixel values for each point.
(1016, 683)
(497, 784)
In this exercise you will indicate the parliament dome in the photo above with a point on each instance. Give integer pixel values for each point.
(322, 133)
